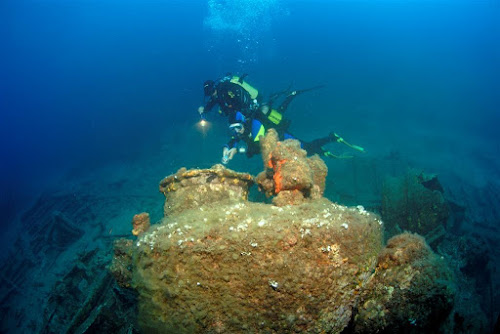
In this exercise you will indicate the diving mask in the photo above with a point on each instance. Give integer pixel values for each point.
(236, 128)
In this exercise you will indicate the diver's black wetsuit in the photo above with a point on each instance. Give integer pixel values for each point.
(316, 146)
(231, 98)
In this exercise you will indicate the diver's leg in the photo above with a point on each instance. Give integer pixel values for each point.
(282, 108)
(311, 148)
(322, 141)
(275, 96)
(292, 95)
(316, 146)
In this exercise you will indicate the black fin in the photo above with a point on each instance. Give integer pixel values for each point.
(309, 89)
(242, 77)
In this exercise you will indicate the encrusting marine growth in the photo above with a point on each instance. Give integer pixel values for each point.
(218, 263)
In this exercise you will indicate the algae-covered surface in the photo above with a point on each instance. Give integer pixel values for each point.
(250, 267)
(192, 188)
(218, 263)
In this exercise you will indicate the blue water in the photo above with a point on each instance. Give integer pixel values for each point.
(85, 85)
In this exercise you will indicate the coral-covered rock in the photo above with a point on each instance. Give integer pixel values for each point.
(140, 223)
(233, 266)
(220, 264)
(295, 177)
(255, 268)
(410, 292)
(191, 188)
(319, 172)
(291, 197)
(404, 249)
(265, 182)
(267, 145)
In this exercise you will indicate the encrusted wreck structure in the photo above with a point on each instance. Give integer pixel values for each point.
(415, 202)
(218, 263)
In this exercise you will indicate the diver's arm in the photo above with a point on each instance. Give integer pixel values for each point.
(208, 107)
(228, 154)
(229, 150)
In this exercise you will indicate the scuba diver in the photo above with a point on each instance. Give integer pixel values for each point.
(246, 137)
(232, 94)
(246, 131)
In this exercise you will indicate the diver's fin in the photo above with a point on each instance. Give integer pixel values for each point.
(338, 139)
(300, 91)
(333, 156)
(287, 91)
(240, 80)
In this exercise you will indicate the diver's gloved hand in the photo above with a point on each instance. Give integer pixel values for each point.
(201, 110)
(228, 154)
